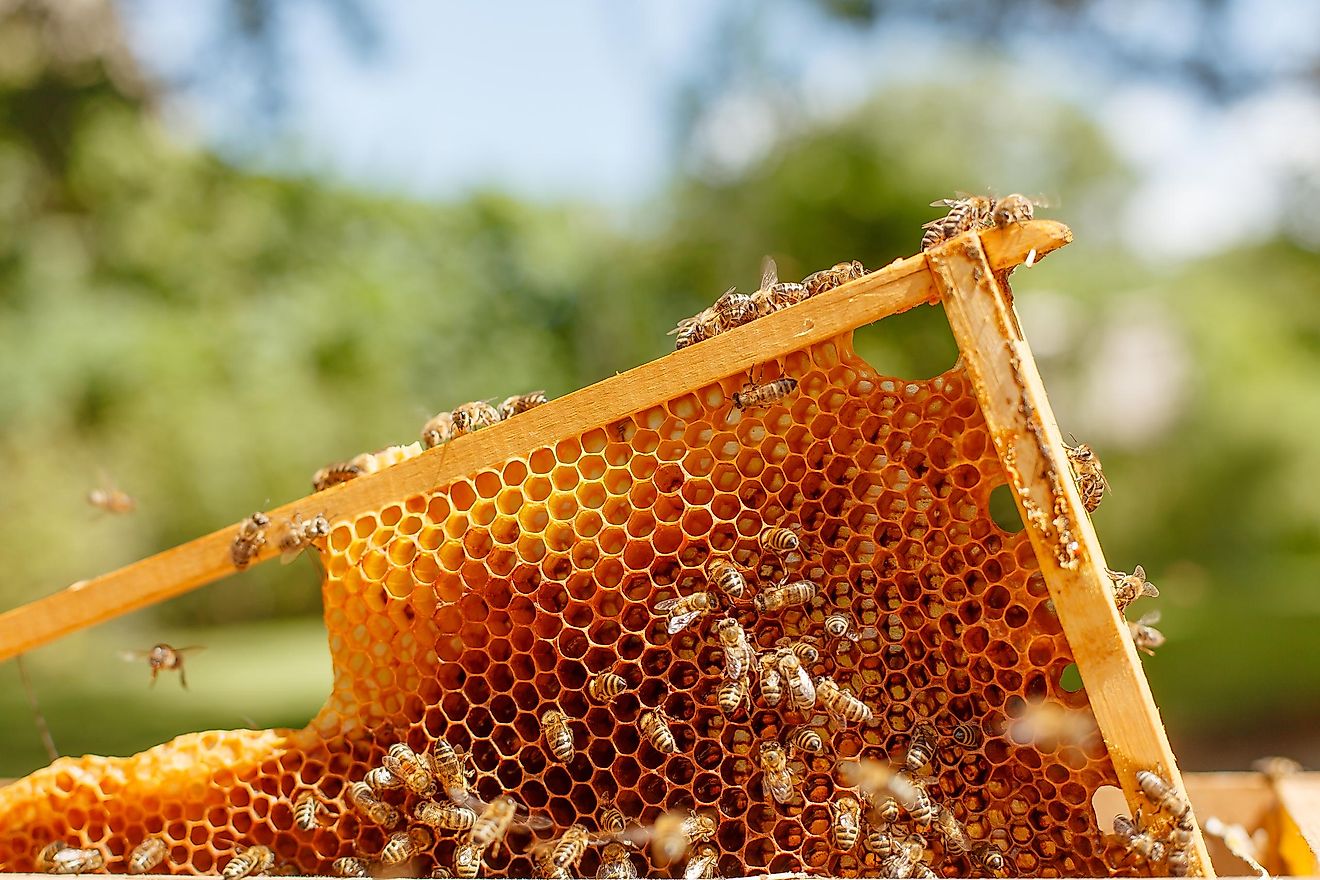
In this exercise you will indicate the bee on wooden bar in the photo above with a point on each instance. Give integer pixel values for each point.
(350, 866)
(776, 779)
(988, 856)
(733, 309)
(764, 395)
(839, 626)
(250, 539)
(835, 276)
(738, 653)
(1088, 474)
(310, 812)
(558, 735)
(616, 864)
(467, 860)
(415, 770)
(612, 819)
(907, 861)
(779, 540)
(683, 610)
(107, 498)
(605, 686)
(785, 595)
(446, 816)
(404, 845)
(655, 727)
(967, 736)
(163, 657)
(60, 858)
(1130, 587)
(1163, 795)
(965, 213)
(774, 294)
(846, 822)
(382, 780)
(922, 747)
(1137, 839)
(692, 330)
(438, 429)
(1014, 208)
(703, 864)
(334, 474)
(953, 832)
(519, 404)
(365, 801)
(797, 681)
(732, 693)
(1144, 634)
(450, 772)
(473, 416)
(772, 683)
(725, 575)
(147, 855)
(301, 534)
(249, 861)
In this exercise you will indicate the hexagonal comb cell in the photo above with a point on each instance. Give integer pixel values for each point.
(468, 612)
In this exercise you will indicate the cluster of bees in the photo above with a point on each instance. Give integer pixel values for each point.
(1175, 850)
(967, 213)
(60, 858)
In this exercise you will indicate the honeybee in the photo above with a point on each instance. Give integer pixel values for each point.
(906, 862)
(836, 275)
(726, 576)
(839, 626)
(696, 329)
(733, 309)
(162, 656)
(249, 540)
(450, 772)
(805, 652)
(840, 702)
(1087, 474)
(334, 474)
(846, 822)
(881, 841)
(1163, 795)
(873, 779)
(616, 864)
(674, 833)
(797, 681)
(738, 653)
(567, 851)
(309, 811)
(965, 213)
(448, 816)
(109, 499)
(301, 534)
(1130, 587)
(147, 855)
(349, 866)
(493, 823)
(467, 860)
(1014, 208)
(473, 416)
(683, 610)
(988, 856)
(60, 858)
(612, 819)
(249, 862)
(772, 683)
(953, 832)
(922, 747)
(881, 812)
(774, 294)
(731, 694)
(922, 808)
(1238, 842)
(605, 686)
(764, 395)
(414, 769)
(1144, 634)
(1275, 767)
(438, 429)
(1138, 839)
(655, 727)
(785, 595)
(364, 800)
(703, 864)
(776, 779)
(968, 736)
(519, 404)
(404, 845)
(382, 780)
(44, 857)
(804, 739)
(779, 540)
(558, 735)
(439, 872)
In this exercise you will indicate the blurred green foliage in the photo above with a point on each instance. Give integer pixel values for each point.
(208, 337)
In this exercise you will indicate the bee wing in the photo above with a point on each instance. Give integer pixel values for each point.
(942, 203)
(134, 656)
(676, 624)
(287, 556)
(1149, 619)
(769, 273)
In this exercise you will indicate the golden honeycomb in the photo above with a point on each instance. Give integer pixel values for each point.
(467, 611)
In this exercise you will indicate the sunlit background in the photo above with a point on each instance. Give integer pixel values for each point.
(242, 238)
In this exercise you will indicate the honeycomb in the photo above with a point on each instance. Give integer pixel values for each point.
(467, 611)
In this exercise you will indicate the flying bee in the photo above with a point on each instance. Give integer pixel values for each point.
(674, 833)
(612, 819)
(953, 832)
(965, 213)
(731, 694)
(907, 861)
(467, 860)
(438, 429)
(772, 683)
(382, 780)
(301, 534)
(839, 626)
(365, 801)
(334, 474)
(1163, 795)
(163, 657)
(446, 816)
(764, 395)
(785, 595)
(249, 861)
(873, 779)
(797, 681)
(1276, 767)
(922, 747)
(738, 653)
(733, 309)
(683, 610)
(404, 845)
(558, 735)
(309, 812)
(1014, 208)
(349, 866)
(450, 772)
(725, 575)
(60, 858)
(776, 779)
(846, 822)
(493, 824)
(779, 540)
(566, 852)
(804, 739)
(1238, 842)
(616, 864)
(519, 404)
(1138, 839)
(473, 416)
(1144, 634)
(1087, 474)
(605, 686)
(703, 863)
(249, 540)
(107, 498)
(1130, 587)
(147, 855)
(835, 276)
(415, 770)
(840, 702)
(988, 856)
(968, 736)
(655, 727)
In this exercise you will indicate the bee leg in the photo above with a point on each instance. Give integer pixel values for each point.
(183, 678)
